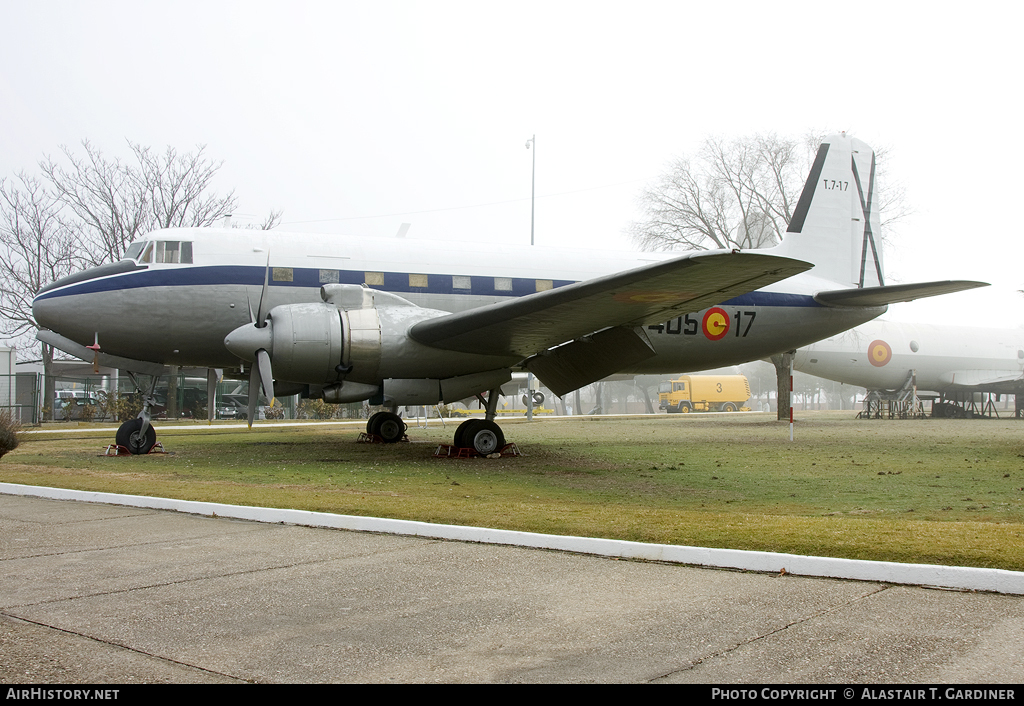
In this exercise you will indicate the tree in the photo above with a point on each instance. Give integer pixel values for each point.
(36, 248)
(740, 194)
(87, 212)
(113, 202)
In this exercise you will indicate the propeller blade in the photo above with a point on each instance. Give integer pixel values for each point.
(261, 321)
(211, 394)
(266, 375)
(254, 392)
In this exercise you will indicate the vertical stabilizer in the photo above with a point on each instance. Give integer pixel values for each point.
(835, 224)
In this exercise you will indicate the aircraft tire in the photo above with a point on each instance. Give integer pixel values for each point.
(484, 436)
(538, 399)
(458, 441)
(129, 437)
(371, 421)
(388, 426)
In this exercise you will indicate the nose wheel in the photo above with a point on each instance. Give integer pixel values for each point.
(131, 436)
(138, 435)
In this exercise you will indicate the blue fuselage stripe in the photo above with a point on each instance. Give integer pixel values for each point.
(308, 277)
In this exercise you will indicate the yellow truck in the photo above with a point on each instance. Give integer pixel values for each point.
(705, 393)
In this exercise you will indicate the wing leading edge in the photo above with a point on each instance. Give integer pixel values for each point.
(648, 294)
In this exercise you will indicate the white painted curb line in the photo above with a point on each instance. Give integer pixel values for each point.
(960, 577)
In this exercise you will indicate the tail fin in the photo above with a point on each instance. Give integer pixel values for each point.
(835, 224)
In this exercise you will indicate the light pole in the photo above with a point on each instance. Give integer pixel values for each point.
(532, 142)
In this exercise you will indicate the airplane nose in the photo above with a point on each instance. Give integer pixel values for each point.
(47, 312)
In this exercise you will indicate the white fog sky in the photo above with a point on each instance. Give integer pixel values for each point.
(354, 117)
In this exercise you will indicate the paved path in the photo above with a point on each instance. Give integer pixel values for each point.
(98, 593)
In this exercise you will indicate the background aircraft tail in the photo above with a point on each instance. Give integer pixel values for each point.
(835, 224)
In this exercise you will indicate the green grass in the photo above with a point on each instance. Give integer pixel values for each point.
(930, 491)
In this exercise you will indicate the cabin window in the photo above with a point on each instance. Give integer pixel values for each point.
(417, 280)
(503, 284)
(186, 252)
(461, 282)
(283, 274)
(375, 278)
(544, 285)
(329, 276)
(147, 256)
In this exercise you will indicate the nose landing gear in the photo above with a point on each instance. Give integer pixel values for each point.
(138, 435)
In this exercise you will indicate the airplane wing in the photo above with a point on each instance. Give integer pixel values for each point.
(649, 294)
(893, 293)
(1007, 381)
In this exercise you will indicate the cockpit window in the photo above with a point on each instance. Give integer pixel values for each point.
(133, 251)
(166, 252)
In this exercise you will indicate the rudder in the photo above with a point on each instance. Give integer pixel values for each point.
(835, 224)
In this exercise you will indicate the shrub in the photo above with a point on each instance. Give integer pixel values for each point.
(9, 428)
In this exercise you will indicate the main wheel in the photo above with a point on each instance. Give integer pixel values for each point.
(388, 426)
(460, 432)
(371, 421)
(538, 399)
(129, 437)
(483, 436)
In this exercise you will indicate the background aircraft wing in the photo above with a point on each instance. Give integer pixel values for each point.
(649, 294)
(1007, 381)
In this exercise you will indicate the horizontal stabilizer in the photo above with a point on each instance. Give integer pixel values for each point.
(110, 361)
(891, 294)
(589, 359)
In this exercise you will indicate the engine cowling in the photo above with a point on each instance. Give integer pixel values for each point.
(314, 342)
(319, 343)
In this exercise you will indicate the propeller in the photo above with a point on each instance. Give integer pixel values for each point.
(251, 342)
(213, 376)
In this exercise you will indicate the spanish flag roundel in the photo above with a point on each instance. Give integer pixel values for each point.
(716, 323)
(879, 353)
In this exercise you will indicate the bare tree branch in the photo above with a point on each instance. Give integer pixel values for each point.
(113, 203)
(739, 194)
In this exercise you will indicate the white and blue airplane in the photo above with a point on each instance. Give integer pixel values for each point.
(403, 322)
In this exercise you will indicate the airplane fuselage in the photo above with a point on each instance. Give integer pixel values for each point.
(879, 355)
(178, 313)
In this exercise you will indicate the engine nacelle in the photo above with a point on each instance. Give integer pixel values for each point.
(320, 344)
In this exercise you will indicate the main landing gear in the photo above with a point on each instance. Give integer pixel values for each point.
(482, 435)
(387, 425)
(138, 435)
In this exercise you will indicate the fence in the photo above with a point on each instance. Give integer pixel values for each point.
(19, 395)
